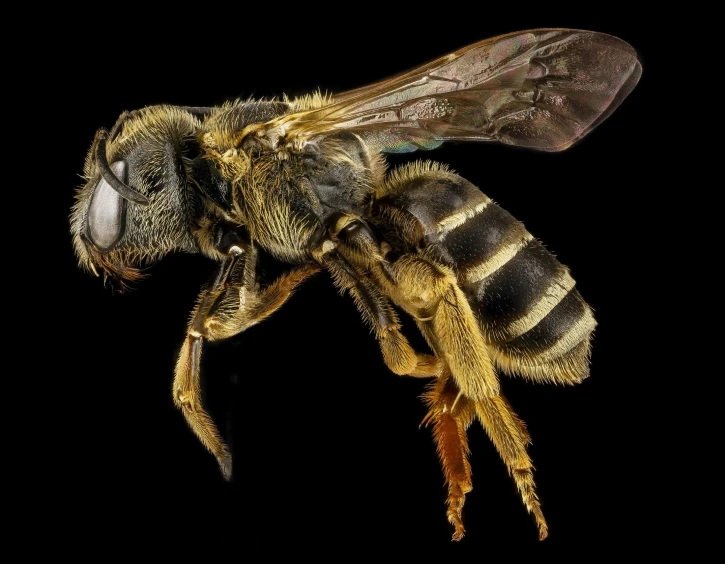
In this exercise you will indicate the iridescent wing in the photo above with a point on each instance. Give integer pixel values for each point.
(544, 89)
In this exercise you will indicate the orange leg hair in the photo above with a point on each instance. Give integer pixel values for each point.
(450, 420)
(430, 293)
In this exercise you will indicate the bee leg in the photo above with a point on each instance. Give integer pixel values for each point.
(450, 416)
(510, 437)
(429, 292)
(376, 310)
(187, 397)
(225, 309)
(187, 383)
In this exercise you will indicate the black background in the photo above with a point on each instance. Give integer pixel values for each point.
(329, 457)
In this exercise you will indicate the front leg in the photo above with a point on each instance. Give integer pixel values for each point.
(229, 306)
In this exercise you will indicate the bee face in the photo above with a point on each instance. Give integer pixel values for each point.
(153, 155)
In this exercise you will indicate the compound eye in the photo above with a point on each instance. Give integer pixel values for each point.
(107, 211)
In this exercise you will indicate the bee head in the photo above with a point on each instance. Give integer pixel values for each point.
(138, 201)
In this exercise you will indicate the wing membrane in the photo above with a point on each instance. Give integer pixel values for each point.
(543, 89)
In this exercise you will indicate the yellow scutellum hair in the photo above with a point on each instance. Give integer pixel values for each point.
(313, 101)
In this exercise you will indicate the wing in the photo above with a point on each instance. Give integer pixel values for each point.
(544, 89)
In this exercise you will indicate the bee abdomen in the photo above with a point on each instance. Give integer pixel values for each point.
(533, 319)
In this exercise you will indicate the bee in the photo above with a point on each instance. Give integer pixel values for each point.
(304, 180)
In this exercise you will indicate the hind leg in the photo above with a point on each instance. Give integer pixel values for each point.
(430, 292)
(509, 436)
(450, 416)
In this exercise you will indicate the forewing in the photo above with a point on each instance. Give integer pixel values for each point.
(543, 89)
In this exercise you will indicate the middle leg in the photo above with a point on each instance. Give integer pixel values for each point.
(398, 355)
